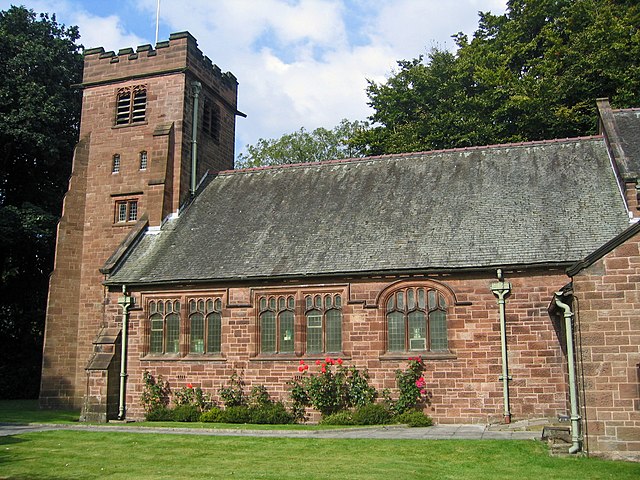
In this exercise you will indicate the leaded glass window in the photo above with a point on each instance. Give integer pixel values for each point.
(323, 314)
(416, 320)
(277, 324)
(205, 325)
(164, 326)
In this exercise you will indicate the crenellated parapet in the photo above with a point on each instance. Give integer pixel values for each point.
(178, 54)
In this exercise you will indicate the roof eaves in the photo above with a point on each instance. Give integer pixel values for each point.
(615, 242)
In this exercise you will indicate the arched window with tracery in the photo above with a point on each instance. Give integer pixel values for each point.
(164, 319)
(205, 326)
(323, 316)
(416, 320)
(277, 324)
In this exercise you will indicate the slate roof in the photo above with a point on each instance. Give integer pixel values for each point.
(627, 123)
(528, 204)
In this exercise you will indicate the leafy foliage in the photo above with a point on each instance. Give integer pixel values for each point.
(303, 146)
(411, 387)
(39, 116)
(194, 396)
(155, 394)
(330, 391)
(533, 73)
(233, 395)
(414, 418)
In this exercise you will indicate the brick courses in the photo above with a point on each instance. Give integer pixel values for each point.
(88, 232)
(464, 386)
(608, 323)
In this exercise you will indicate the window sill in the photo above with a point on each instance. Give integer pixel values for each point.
(288, 357)
(130, 124)
(172, 357)
(161, 357)
(205, 357)
(424, 355)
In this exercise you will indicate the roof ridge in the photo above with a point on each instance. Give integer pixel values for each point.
(631, 109)
(409, 154)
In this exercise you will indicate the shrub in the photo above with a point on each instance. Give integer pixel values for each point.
(155, 393)
(411, 385)
(259, 397)
(274, 413)
(211, 416)
(185, 413)
(233, 394)
(235, 414)
(193, 396)
(159, 414)
(338, 418)
(414, 418)
(330, 391)
(371, 414)
(359, 392)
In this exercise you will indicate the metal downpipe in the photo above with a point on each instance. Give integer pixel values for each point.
(501, 289)
(126, 302)
(573, 390)
(196, 86)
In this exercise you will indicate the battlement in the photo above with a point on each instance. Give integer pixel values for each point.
(178, 54)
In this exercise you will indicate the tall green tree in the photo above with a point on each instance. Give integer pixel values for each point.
(40, 63)
(303, 146)
(532, 73)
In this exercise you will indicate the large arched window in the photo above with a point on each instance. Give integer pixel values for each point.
(323, 316)
(416, 320)
(164, 319)
(205, 326)
(277, 325)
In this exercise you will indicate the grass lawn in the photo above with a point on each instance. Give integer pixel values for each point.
(27, 411)
(88, 455)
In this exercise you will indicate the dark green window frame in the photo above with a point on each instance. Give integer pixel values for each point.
(323, 317)
(416, 320)
(164, 324)
(205, 326)
(277, 324)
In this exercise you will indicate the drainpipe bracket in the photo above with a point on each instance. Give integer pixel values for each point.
(509, 377)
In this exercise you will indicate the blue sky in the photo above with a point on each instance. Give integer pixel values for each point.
(298, 62)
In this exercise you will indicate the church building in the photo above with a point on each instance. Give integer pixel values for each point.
(512, 270)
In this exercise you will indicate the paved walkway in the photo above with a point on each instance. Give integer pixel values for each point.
(437, 432)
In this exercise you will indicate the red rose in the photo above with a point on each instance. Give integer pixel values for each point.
(189, 385)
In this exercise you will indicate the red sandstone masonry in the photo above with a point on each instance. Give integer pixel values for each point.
(464, 387)
(610, 353)
(88, 233)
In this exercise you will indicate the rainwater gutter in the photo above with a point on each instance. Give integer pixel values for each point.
(573, 390)
(197, 86)
(501, 289)
(126, 302)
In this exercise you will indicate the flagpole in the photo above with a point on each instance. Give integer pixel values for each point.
(157, 20)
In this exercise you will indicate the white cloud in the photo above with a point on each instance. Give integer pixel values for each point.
(298, 62)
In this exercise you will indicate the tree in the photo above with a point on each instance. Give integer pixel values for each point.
(39, 116)
(303, 146)
(533, 73)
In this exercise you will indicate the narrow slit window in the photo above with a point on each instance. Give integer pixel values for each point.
(143, 160)
(115, 164)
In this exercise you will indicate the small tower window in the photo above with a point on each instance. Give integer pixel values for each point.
(131, 105)
(211, 119)
(126, 211)
(143, 160)
(115, 164)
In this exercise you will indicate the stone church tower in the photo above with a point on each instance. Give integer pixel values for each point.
(132, 168)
